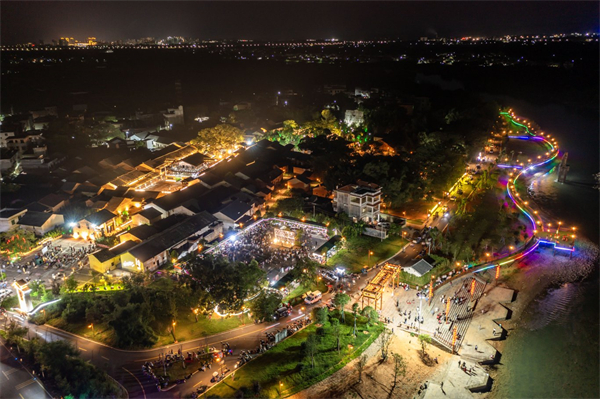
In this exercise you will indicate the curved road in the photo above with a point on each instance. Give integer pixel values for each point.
(125, 365)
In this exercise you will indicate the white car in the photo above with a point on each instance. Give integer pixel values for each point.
(313, 297)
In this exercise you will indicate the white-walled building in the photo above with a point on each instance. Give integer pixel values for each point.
(361, 201)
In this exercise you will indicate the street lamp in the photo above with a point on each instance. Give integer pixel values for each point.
(92, 327)
(173, 330)
(196, 314)
(370, 253)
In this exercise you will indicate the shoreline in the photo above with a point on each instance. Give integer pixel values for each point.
(532, 278)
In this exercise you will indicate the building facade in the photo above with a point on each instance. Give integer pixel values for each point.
(361, 201)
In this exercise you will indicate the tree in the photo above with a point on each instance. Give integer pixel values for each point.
(305, 271)
(309, 348)
(424, 340)
(56, 288)
(70, 284)
(131, 325)
(71, 375)
(289, 206)
(265, 304)
(336, 332)
(218, 140)
(37, 288)
(15, 333)
(371, 314)
(385, 339)
(340, 300)
(399, 369)
(227, 283)
(360, 366)
(322, 315)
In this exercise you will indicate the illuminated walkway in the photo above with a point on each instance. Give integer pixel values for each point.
(541, 234)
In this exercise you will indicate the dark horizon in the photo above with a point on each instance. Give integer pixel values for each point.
(24, 22)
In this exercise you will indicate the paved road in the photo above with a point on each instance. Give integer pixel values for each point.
(125, 366)
(16, 380)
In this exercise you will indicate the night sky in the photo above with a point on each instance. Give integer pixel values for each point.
(31, 21)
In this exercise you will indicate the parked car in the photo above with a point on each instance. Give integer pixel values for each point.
(313, 297)
(283, 311)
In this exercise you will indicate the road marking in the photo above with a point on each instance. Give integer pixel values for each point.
(105, 358)
(143, 391)
(9, 372)
(82, 349)
(274, 325)
(24, 384)
(200, 382)
(21, 396)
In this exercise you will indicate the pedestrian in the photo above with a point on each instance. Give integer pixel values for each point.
(459, 364)
(475, 348)
(494, 332)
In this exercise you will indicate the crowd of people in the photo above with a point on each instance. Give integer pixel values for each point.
(57, 257)
(257, 242)
(203, 359)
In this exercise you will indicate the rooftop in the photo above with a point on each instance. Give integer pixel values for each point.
(100, 217)
(36, 219)
(172, 236)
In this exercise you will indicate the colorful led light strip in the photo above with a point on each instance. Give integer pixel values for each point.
(514, 181)
(555, 245)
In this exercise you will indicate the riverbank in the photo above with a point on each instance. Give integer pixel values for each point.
(535, 279)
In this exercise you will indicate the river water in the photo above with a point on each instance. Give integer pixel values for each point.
(555, 351)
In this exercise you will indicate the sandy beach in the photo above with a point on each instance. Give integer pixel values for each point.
(530, 278)
(378, 377)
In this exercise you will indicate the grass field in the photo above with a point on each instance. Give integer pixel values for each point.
(185, 330)
(284, 370)
(356, 254)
